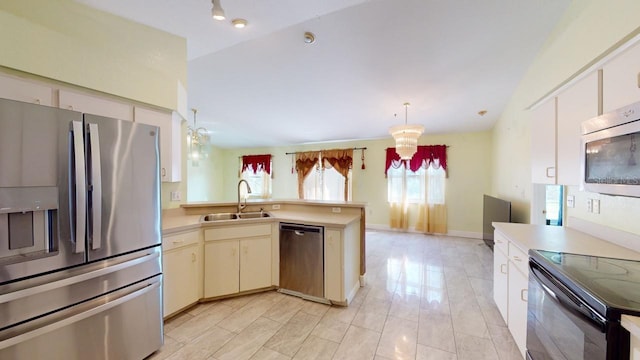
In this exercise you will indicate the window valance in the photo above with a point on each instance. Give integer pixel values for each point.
(425, 156)
(257, 162)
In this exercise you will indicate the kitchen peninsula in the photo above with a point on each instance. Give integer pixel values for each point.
(230, 256)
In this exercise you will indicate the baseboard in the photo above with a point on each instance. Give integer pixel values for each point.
(353, 292)
(456, 233)
(615, 236)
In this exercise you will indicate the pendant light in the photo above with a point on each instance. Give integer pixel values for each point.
(216, 10)
(197, 140)
(406, 137)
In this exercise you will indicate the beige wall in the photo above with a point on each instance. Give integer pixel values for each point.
(469, 159)
(587, 30)
(67, 41)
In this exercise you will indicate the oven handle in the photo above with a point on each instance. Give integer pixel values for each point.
(564, 298)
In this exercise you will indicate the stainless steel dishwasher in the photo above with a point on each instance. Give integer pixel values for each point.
(302, 261)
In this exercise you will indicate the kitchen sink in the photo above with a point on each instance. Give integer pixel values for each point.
(234, 216)
(220, 216)
(254, 215)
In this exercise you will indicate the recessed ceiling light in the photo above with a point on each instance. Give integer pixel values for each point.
(482, 112)
(239, 23)
(309, 38)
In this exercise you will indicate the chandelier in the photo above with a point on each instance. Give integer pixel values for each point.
(197, 140)
(406, 137)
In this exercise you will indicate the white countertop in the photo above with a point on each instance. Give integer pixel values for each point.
(562, 239)
(172, 223)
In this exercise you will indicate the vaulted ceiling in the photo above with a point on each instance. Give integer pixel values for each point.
(264, 86)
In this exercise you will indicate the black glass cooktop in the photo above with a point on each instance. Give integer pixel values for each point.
(612, 286)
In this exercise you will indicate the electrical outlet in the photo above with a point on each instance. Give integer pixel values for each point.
(595, 206)
(175, 196)
(590, 205)
(336, 210)
(275, 207)
(571, 201)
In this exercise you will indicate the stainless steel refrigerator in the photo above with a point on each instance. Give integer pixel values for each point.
(80, 235)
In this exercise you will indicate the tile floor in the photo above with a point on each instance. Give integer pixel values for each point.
(427, 297)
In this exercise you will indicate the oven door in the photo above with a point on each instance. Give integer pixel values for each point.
(560, 326)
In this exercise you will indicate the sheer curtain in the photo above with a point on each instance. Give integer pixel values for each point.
(341, 160)
(305, 162)
(432, 212)
(421, 181)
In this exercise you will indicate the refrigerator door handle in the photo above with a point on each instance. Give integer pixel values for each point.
(96, 187)
(80, 187)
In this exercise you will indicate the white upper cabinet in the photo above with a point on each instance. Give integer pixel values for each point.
(92, 104)
(543, 143)
(170, 144)
(621, 79)
(575, 105)
(22, 90)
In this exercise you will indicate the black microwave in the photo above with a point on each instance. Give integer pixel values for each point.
(610, 161)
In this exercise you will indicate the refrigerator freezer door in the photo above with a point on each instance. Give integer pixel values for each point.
(36, 158)
(130, 186)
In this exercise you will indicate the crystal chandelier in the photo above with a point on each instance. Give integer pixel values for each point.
(197, 140)
(406, 137)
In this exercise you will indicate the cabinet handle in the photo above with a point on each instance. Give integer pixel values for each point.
(503, 268)
(245, 249)
(549, 169)
(37, 101)
(516, 258)
(70, 107)
(523, 294)
(498, 241)
(164, 172)
(628, 113)
(233, 252)
(178, 241)
(193, 257)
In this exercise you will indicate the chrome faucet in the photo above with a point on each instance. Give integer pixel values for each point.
(242, 206)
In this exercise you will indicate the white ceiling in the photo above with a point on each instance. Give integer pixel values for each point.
(264, 86)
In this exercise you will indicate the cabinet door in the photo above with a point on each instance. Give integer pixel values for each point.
(170, 147)
(500, 282)
(221, 268)
(333, 286)
(95, 105)
(180, 268)
(621, 80)
(575, 105)
(543, 143)
(517, 307)
(255, 263)
(22, 90)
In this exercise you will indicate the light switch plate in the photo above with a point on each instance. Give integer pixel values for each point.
(590, 205)
(275, 207)
(175, 196)
(596, 206)
(336, 210)
(571, 201)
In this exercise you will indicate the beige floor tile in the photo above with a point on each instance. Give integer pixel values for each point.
(268, 354)
(242, 317)
(369, 320)
(176, 321)
(358, 344)
(471, 323)
(475, 348)
(429, 353)
(315, 348)
(330, 329)
(341, 313)
(505, 345)
(249, 341)
(436, 331)
(399, 339)
(197, 325)
(291, 335)
(285, 309)
(203, 346)
(170, 346)
(314, 308)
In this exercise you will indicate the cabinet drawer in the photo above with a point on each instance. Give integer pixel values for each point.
(179, 240)
(519, 259)
(236, 232)
(500, 242)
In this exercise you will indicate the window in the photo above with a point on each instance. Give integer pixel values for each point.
(326, 184)
(256, 170)
(260, 183)
(406, 186)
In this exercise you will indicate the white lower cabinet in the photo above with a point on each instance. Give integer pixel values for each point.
(182, 271)
(517, 314)
(237, 259)
(500, 282)
(341, 263)
(510, 287)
